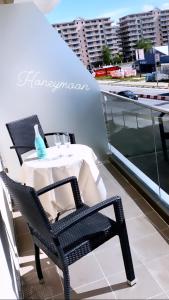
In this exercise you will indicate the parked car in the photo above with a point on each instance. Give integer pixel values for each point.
(128, 94)
(150, 77)
(154, 76)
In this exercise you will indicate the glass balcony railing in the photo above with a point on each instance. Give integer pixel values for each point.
(137, 136)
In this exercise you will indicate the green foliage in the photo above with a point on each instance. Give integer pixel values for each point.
(118, 59)
(144, 44)
(106, 53)
(103, 77)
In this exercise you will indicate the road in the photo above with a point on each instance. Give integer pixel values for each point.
(137, 90)
(157, 103)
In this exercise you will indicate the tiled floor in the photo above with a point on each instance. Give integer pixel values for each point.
(100, 275)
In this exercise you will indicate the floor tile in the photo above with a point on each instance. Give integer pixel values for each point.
(150, 247)
(111, 261)
(20, 226)
(131, 192)
(51, 286)
(95, 290)
(27, 262)
(159, 268)
(131, 210)
(109, 212)
(145, 287)
(84, 271)
(113, 242)
(160, 297)
(25, 243)
(56, 297)
(139, 227)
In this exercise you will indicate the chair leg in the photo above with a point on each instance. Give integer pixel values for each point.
(38, 265)
(66, 282)
(125, 247)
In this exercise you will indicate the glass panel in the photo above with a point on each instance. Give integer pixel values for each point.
(130, 130)
(161, 123)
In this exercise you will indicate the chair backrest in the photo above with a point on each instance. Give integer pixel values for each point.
(28, 203)
(22, 134)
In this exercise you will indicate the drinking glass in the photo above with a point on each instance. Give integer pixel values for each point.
(57, 142)
(66, 142)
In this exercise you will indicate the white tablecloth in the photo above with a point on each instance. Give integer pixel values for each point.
(39, 173)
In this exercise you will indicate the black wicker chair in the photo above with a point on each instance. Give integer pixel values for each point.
(22, 135)
(76, 234)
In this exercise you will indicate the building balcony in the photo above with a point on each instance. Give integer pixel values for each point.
(148, 232)
(95, 55)
(107, 23)
(76, 49)
(133, 35)
(132, 42)
(94, 39)
(91, 28)
(48, 79)
(73, 42)
(147, 19)
(92, 36)
(148, 235)
(164, 26)
(128, 25)
(148, 30)
(164, 19)
(108, 30)
(89, 33)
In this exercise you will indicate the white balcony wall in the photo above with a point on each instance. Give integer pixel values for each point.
(9, 275)
(41, 75)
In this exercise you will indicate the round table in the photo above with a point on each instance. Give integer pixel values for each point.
(76, 160)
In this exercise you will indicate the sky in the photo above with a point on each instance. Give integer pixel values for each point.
(69, 10)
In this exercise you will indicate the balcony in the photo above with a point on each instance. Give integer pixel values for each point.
(96, 55)
(73, 40)
(148, 30)
(128, 125)
(121, 132)
(106, 280)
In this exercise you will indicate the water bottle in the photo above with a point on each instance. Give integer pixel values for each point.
(39, 143)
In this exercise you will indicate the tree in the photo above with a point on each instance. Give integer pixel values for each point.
(144, 44)
(118, 58)
(106, 53)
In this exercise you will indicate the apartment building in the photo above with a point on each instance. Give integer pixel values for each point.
(87, 38)
(117, 42)
(164, 26)
(136, 26)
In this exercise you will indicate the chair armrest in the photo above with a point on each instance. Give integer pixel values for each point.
(116, 201)
(74, 185)
(17, 147)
